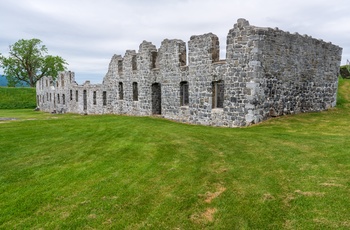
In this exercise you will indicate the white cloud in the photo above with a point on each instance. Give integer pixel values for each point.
(88, 32)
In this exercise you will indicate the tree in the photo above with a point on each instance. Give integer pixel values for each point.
(28, 62)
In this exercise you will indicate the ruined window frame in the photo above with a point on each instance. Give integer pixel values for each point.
(183, 58)
(120, 66)
(156, 98)
(121, 91)
(184, 93)
(135, 91)
(154, 55)
(76, 95)
(104, 97)
(218, 93)
(134, 62)
(85, 95)
(94, 98)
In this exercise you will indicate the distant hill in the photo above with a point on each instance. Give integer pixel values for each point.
(3, 80)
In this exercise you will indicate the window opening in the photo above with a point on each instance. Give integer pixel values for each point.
(85, 99)
(217, 94)
(154, 59)
(182, 58)
(94, 97)
(184, 96)
(121, 91)
(120, 66)
(215, 51)
(134, 63)
(135, 91)
(104, 96)
(156, 99)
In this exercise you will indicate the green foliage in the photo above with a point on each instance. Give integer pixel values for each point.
(17, 98)
(67, 171)
(341, 101)
(345, 71)
(28, 61)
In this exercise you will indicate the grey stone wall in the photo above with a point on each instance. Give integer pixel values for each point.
(267, 73)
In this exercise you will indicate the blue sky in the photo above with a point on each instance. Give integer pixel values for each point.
(88, 32)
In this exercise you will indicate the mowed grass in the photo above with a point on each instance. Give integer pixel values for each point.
(69, 171)
(17, 98)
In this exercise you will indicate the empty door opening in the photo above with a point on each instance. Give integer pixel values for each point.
(156, 99)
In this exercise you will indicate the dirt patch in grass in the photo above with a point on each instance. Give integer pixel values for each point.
(288, 199)
(268, 196)
(92, 216)
(331, 185)
(108, 222)
(65, 215)
(209, 214)
(7, 118)
(205, 217)
(288, 224)
(318, 194)
(292, 196)
(332, 224)
(209, 196)
(221, 170)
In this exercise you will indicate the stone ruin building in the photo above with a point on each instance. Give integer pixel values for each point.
(267, 73)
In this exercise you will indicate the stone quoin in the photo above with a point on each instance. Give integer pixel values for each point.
(267, 73)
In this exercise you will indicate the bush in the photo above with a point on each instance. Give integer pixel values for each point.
(345, 71)
(17, 98)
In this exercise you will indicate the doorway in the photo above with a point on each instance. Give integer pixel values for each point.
(156, 99)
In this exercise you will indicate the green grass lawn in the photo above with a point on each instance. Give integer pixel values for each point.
(67, 171)
(17, 98)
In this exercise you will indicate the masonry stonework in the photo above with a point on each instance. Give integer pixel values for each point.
(267, 73)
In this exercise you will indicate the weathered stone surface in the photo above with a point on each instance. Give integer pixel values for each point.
(267, 73)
